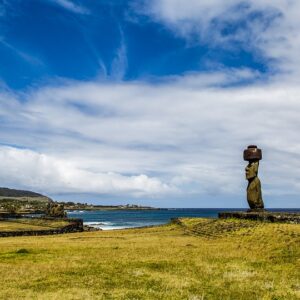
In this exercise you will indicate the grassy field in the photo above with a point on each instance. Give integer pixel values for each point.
(31, 224)
(195, 259)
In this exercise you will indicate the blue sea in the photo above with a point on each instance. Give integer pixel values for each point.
(120, 219)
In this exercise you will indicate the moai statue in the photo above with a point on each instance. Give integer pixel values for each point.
(253, 155)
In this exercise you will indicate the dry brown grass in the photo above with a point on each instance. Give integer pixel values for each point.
(200, 259)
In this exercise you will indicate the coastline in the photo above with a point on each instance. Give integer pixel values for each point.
(105, 208)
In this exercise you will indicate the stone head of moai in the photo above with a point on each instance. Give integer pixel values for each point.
(254, 196)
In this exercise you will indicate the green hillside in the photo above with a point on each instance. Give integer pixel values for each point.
(19, 201)
(6, 192)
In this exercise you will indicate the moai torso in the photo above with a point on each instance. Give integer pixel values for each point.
(254, 196)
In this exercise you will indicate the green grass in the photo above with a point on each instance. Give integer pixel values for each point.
(197, 259)
(31, 224)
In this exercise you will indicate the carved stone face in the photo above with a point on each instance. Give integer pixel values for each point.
(251, 170)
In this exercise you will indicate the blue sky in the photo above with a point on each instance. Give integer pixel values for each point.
(108, 40)
(149, 102)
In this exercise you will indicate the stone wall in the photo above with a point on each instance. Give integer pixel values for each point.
(265, 216)
(75, 225)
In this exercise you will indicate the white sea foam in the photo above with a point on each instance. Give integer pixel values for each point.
(102, 225)
(93, 223)
(108, 225)
(114, 227)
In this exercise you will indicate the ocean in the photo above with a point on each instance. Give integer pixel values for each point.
(120, 219)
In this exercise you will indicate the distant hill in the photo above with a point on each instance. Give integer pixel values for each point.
(6, 192)
(13, 200)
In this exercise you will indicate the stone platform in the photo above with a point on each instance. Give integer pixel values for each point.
(264, 216)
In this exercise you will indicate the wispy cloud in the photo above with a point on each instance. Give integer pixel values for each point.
(119, 64)
(71, 6)
(265, 27)
(25, 56)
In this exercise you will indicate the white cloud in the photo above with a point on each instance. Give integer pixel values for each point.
(182, 138)
(269, 27)
(29, 169)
